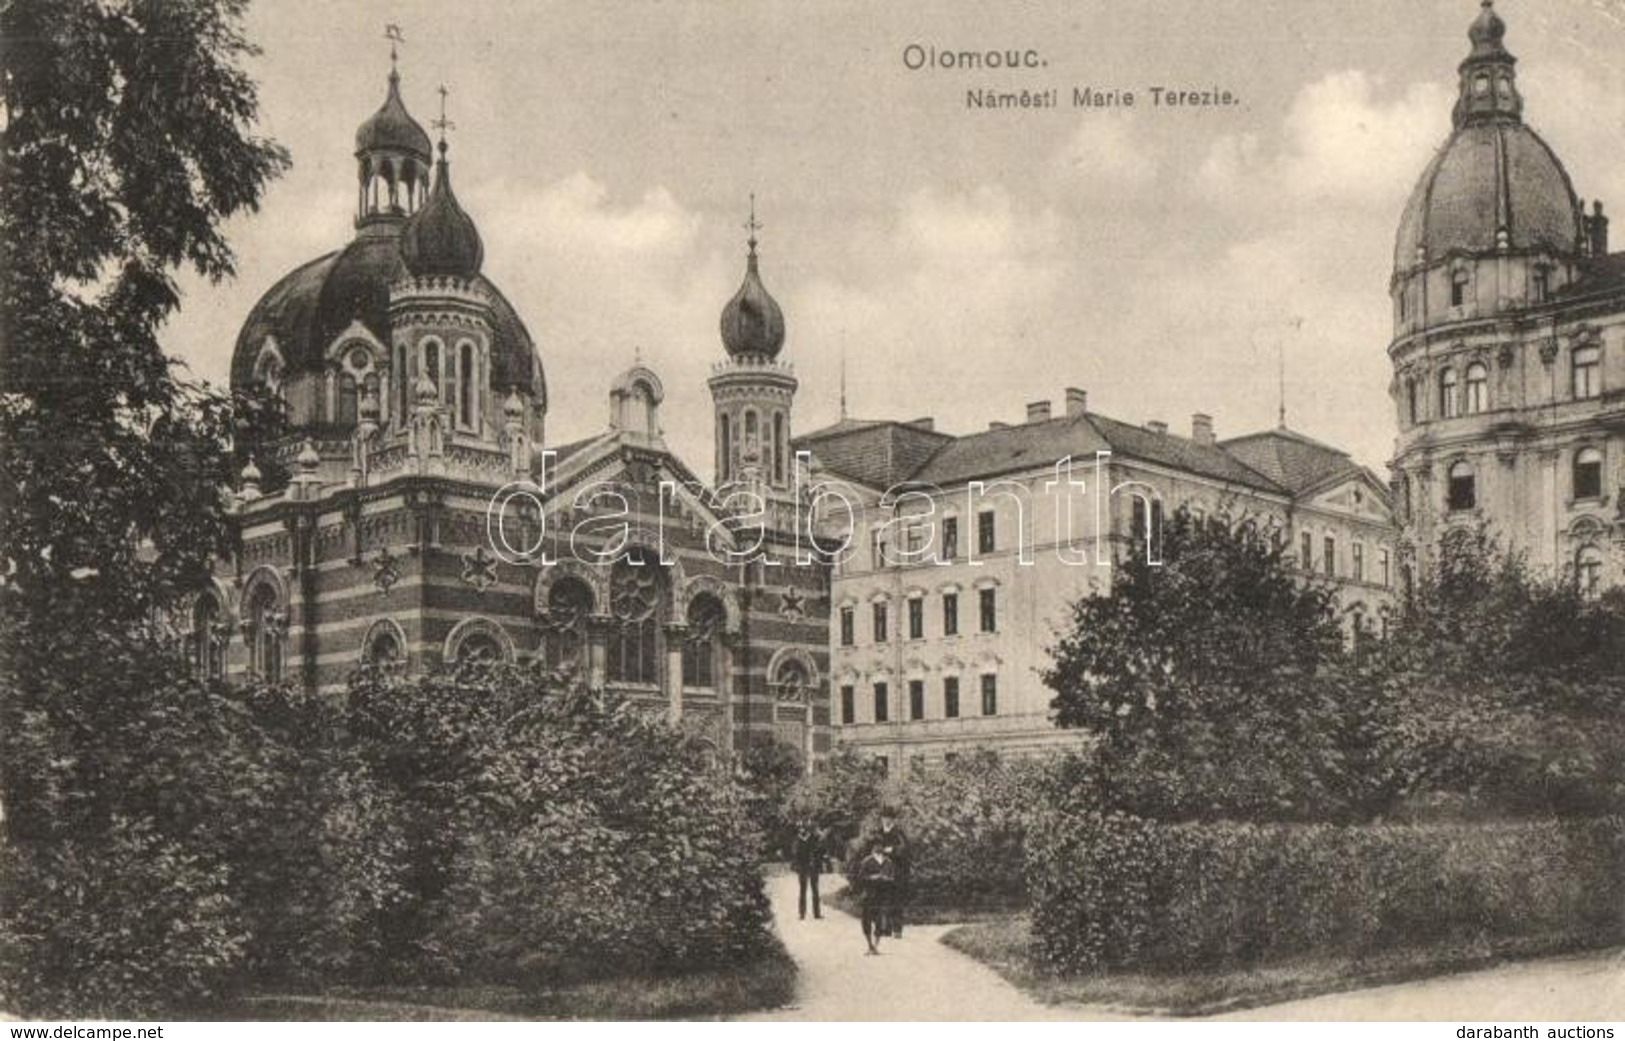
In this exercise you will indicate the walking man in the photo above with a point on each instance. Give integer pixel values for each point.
(894, 843)
(876, 882)
(807, 856)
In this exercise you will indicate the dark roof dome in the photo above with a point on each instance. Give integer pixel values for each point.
(307, 310)
(752, 323)
(1495, 185)
(392, 128)
(440, 239)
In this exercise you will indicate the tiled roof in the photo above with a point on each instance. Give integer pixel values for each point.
(1181, 453)
(879, 453)
(883, 454)
(1600, 274)
(1290, 459)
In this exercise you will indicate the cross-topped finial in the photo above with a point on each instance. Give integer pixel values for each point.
(392, 33)
(443, 124)
(753, 225)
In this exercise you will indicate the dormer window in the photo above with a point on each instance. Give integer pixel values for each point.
(1458, 287)
(1540, 285)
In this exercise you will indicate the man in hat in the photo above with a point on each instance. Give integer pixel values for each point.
(807, 857)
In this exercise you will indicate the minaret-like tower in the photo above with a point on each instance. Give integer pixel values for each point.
(441, 324)
(752, 391)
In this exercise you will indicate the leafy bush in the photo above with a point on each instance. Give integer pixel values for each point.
(1110, 891)
(128, 924)
(555, 832)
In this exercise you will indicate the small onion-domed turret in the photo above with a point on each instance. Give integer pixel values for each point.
(441, 239)
(752, 323)
(392, 128)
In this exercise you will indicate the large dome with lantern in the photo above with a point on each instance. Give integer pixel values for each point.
(403, 229)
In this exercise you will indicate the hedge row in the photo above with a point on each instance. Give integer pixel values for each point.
(1118, 892)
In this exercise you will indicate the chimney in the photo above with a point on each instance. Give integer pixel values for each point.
(1077, 401)
(1597, 228)
(1156, 426)
(1037, 411)
(923, 423)
(1202, 428)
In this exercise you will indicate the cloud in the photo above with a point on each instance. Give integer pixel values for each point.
(1343, 144)
(1108, 150)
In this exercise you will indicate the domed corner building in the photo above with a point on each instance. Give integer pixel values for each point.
(414, 395)
(1509, 342)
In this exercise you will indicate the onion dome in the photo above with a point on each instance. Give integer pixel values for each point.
(752, 324)
(1495, 186)
(392, 128)
(441, 239)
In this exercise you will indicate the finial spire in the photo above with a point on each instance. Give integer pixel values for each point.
(752, 226)
(443, 124)
(843, 376)
(392, 33)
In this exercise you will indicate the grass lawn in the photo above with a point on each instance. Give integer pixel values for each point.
(768, 983)
(1002, 944)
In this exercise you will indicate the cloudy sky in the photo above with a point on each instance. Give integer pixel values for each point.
(964, 262)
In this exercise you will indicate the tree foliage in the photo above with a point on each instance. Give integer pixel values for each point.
(1214, 680)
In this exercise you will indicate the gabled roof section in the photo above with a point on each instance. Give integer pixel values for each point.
(1012, 449)
(1297, 463)
(878, 453)
(1181, 453)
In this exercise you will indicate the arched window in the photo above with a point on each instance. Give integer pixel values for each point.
(403, 384)
(208, 639)
(1459, 281)
(1588, 570)
(480, 646)
(466, 384)
(703, 644)
(792, 681)
(265, 628)
(752, 436)
(1478, 388)
(778, 447)
(569, 605)
(725, 467)
(1588, 473)
(384, 648)
(1462, 493)
(347, 399)
(1587, 372)
(1449, 399)
(636, 588)
(431, 363)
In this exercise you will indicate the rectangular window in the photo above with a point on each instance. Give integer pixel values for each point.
(1307, 554)
(880, 622)
(989, 610)
(1328, 562)
(882, 703)
(990, 695)
(1382, 570)
(1359, 562)
(848, 629)
(916, 618)
(950, 538)
(877, 548)
(950, 697)
(849, 704)
(986, 532)
(916, 699)
(950, 614)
